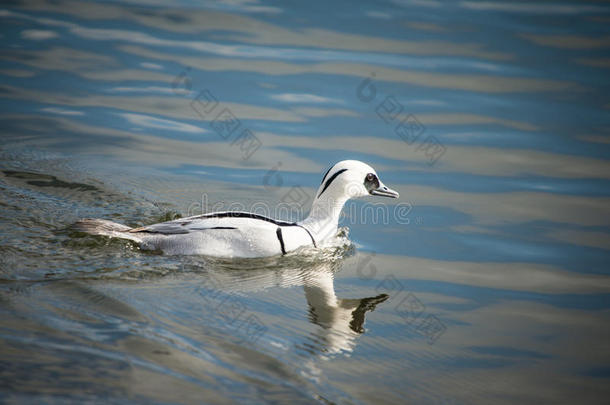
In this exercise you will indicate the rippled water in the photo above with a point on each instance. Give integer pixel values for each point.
(486, 282)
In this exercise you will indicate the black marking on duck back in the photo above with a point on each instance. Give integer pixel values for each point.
(215, 227)
(278, 232)
(178, 231)
(244, 215)
(310, 235)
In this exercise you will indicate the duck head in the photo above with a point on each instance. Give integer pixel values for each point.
(344, 180)
(352, 179)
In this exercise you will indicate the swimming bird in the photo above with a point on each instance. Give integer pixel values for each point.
(245, 234)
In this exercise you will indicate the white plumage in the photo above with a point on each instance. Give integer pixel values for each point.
(242, 234)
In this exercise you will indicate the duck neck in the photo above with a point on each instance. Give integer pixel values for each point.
(323, 219)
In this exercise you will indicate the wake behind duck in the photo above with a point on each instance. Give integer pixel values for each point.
(245, 234)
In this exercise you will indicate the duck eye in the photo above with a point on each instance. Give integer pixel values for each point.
(371, 182)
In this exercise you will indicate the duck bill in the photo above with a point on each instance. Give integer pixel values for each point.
(385, 192)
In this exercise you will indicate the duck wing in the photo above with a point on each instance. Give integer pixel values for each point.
(217, 220)
(183, 226)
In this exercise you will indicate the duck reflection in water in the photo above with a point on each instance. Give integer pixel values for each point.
(340, 320)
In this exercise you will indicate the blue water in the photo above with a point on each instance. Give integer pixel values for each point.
(487, 281)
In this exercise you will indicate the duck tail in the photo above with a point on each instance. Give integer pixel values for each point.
(102, 227)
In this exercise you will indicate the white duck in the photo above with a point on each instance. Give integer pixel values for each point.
(244, 234)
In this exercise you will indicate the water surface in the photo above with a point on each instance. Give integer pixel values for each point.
(487, 281)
